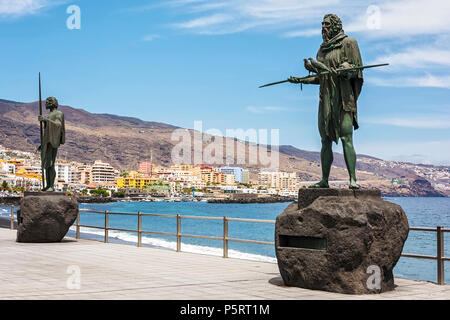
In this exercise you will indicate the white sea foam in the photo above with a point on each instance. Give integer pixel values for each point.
(185, 247)
(4, 212)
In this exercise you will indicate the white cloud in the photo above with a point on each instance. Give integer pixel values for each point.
(426, 152)
(303, 33)
(406, 17)
(417, 58)
(16, 8)
(416, 122)
(427, 80)
(250, 14)
(397, 18)
(204, 22)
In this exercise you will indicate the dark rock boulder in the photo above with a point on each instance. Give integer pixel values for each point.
(340, 241)
(45, 218)
(423, 188)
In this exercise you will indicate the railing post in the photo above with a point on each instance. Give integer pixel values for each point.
(440, 255)
(225, 237)
(106, 226)
(139, 242)
(78, 225)
(12, 218)
(178, 232)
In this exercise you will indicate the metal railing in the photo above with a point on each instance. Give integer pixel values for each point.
(225, 238)
(440, 258)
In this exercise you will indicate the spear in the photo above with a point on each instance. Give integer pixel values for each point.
(42, 132)
(327, 72)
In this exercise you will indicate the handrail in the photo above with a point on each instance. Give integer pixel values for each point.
(440, 258)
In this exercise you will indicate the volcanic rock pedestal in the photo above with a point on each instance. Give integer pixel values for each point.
(340, 240)
(45, 216)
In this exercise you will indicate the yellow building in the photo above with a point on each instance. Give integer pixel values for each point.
(135, 182)
(29, 172)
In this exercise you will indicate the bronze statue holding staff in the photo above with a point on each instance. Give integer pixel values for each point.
(338, 71)
(54, 134)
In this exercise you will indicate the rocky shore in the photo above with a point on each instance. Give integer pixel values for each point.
(417, 188)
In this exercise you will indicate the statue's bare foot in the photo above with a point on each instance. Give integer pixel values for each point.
(321, 184)
(353, 185)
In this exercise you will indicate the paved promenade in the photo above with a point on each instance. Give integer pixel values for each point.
(117, 271)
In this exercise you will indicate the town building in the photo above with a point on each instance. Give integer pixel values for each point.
(278, 180)
(102, 172)
(146, 168)
(63, 172)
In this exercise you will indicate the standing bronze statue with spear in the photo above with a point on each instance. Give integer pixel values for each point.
(338, 71)
(53, 134)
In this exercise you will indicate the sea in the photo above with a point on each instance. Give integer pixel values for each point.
(421, 212)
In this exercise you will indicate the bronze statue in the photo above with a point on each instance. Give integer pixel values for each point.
(53, 136)
(338, 71)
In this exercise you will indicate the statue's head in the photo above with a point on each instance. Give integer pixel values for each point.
(331, 26)
(51, 103)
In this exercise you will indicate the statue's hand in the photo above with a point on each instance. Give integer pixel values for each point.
(345, 65)
(294, 79)
(42, 119)
(333, 72)
(347, 75)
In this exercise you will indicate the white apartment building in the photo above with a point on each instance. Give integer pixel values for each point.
(64, 172)
(102, 172)
(278, 180)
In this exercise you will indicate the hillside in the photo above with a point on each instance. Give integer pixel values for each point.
(125, 141)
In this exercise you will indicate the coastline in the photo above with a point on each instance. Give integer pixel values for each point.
(8, 201)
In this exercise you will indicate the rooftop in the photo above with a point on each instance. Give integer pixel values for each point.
(119, 271)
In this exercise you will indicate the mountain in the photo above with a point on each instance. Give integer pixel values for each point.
(124, 142)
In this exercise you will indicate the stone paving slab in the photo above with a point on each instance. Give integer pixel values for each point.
(124, 272)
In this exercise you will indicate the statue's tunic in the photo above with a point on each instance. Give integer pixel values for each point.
(338, 95)
(54, 136)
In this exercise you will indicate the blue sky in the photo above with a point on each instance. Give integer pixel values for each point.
(178, 61)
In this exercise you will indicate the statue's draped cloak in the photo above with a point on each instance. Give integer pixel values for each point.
(54, 135)
(338, 95)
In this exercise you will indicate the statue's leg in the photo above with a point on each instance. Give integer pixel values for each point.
(47, 158)
(349, 150)
(326, 159)
(51, 170)
(46, 180)
(51, 178)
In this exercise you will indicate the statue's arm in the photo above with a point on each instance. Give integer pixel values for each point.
(308, 80)
(311, 80)
(58, 120)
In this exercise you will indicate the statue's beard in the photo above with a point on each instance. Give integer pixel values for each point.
(328, 33)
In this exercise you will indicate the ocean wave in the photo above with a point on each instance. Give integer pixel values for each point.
(4, 212)
(172, 245)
